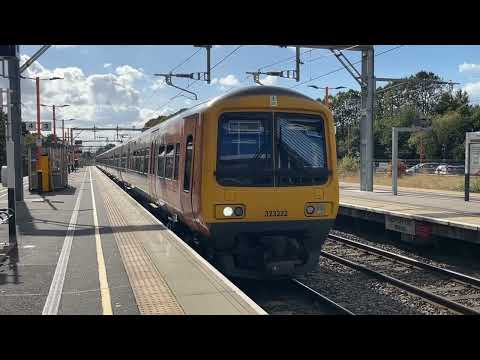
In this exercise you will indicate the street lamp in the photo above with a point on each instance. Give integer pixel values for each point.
(54, 125)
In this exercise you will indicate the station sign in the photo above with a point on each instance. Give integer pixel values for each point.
(32, 126)
(472, 153)
(403, 225)
(475, 159)
(46, 126)
(8, 51)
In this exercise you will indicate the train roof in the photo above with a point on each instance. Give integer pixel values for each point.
(244, 91)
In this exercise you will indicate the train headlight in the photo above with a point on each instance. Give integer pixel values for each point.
(238, 211)
(310, 210)
(230, 211)
(227, 211)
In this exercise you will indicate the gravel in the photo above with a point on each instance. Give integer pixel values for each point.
(438, 284)
(430, 256)
(363, 295)
(280, 298)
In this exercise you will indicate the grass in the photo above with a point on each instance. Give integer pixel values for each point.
(436, 182)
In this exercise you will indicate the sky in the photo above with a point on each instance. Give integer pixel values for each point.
(115, 85)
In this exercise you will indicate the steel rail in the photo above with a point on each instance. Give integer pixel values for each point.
(403, 285)
(401, 258)
(315, 294)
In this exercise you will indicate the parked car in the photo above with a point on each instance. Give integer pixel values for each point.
(423, 168)
(440, 169)
(450, 169)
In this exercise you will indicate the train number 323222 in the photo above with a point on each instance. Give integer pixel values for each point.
(276, 213)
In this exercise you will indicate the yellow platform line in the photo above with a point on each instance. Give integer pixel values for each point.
(102, 271)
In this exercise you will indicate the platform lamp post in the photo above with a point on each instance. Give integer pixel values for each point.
(65, 143)
(63, 128)
(326, 88)
(37, 92)
(54, 124)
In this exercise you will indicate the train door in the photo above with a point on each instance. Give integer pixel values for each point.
(188, 191)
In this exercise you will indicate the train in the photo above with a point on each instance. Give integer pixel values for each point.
(248, 177)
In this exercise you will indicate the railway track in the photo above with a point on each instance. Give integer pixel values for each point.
(290, 297)
(454, 291)
(331, 307)
(281, 296)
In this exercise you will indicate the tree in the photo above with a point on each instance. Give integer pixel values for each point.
(155, 121)
(406, 117)
(48, 140)
(421, 101)
(448, 130)
(452, 102)
(345, 107)
(419, 92)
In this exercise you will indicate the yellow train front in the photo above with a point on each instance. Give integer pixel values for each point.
(269, 189)
(250, 176)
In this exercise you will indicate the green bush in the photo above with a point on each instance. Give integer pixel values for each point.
(349, 165)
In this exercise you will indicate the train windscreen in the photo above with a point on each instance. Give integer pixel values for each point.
(271, 149)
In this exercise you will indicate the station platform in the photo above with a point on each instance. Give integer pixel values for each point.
(441, 213)
(92, 249)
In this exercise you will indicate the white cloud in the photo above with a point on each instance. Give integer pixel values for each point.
(127, 74)
(158, 84)
(473, 90)
(101, 98)
(106, 65)
(269, 80)
(229, 80)
(466, 67)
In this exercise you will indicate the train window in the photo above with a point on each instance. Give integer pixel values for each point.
(177, 159)
(169, 158)
(135, 160)
(245, 150)
(300, 153)
(188, 163)
(271, 149)
(153, 159)
(140, 161)
(124, 160)
(161, 161)
(146, 159)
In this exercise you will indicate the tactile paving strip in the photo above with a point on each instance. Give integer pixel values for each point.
(152, 294)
